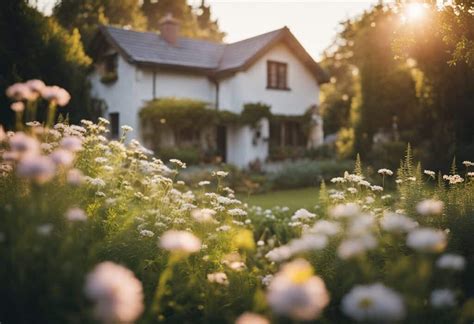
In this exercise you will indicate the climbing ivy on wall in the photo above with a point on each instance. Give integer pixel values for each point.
(179, 113)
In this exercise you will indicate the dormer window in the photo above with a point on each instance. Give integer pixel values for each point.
(277, 75)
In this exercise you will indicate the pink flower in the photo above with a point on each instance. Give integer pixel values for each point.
(37, 168)
(21, 143)
(17, 106)
(20, 91)
(117, 294)
(35, 85)
(56, 94)
(62, 157)
(71, 143)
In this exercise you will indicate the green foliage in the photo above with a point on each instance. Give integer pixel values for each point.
(178, 113)
(195, 22)
(253, 112)
(345, 143)
(109, 77)
(87, 15)
(411, 81)
(35, 46)
(307, 173)
(189, 155)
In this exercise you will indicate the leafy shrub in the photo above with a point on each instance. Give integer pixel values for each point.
(308, 173)
(189, 155)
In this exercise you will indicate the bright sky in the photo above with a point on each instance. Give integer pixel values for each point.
(314, 22)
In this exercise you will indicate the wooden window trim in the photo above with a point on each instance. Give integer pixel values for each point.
(280, 84)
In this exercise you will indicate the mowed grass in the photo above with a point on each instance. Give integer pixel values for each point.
(294, 199)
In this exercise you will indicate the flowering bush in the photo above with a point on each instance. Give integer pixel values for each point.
(98, 229)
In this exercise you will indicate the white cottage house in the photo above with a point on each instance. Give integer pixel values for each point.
(132, 68)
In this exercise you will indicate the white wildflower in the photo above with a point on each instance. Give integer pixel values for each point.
(297, 293)
(376, 188)
(352, 190)
(223, 228)
(203, 215)
(237, 212)
(146, 233)
(430, 173)
(345, 210)
(442, 298)
(180, 241)
(221, 174)
(356, 246)
(76, 214)
(427, 240)
(325, 227)
(385, 172)
(374, 302)
(453, 179)
(204, 183)
(468, 163)
(397, 223)
(302, 214)
(251, 318)
(44, 229)
(430, 207)
(126, 128)
(267, 279)
(451, 262)
(219, 278)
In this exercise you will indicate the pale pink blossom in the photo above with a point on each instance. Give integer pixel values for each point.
(117, 294)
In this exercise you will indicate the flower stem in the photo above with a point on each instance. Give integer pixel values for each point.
(165, 276)
(51, 114)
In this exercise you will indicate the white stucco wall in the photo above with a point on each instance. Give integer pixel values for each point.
(119, 96)
(241, 147)
(134, 88)
(251, 86)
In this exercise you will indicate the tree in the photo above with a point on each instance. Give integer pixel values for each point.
(364, 97)
(35, 46)
(194, 23)
(441, 45)
(87, 15)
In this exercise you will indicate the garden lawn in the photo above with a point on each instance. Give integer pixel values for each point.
(294, 198)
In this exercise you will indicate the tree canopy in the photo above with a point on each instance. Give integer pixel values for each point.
(87, 15)
(397, 73)
(35, 46)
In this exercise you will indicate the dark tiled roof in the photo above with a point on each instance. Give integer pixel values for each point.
(150, 48)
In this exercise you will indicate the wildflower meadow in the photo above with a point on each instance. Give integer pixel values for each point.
(94, 229)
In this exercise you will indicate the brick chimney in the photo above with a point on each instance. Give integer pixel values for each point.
(169, 29)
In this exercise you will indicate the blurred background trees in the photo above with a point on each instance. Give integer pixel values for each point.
(403, 73)
(54, 49)
(35, 46)
(399, 72)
